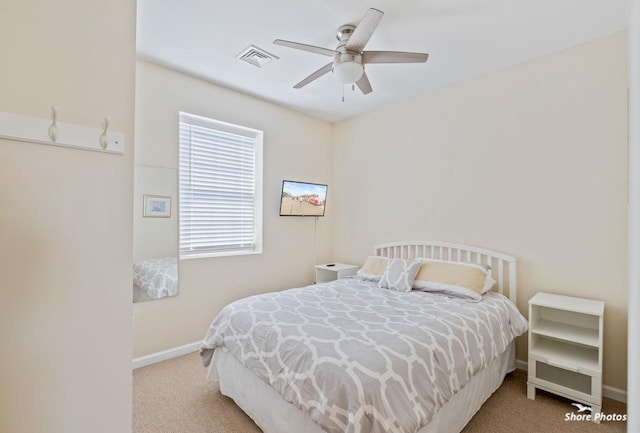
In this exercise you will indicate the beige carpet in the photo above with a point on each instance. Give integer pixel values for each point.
(172, 397)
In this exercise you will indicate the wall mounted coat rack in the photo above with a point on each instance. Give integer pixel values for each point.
(43, 131)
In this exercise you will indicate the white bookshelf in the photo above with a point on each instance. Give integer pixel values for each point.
(565, 348)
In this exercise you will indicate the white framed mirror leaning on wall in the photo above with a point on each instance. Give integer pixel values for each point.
(155, 233)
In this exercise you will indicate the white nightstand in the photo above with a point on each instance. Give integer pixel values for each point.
(565, 348)
(325, 273)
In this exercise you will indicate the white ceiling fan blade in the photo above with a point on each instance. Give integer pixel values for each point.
(363, 84)
(305, 47)
(393, 57)
(364, 30)
(317, 74)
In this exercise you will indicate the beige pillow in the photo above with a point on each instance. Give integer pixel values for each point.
(373, 268)
(467, 280)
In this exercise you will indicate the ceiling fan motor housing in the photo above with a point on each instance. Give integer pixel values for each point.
(344, 32)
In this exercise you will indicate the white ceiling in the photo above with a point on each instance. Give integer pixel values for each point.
(464, 39)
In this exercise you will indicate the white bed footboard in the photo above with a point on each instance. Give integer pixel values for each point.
(503, 267)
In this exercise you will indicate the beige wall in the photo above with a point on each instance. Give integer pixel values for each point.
(296, 147)
(154, 238)
(530, 161)
(65, 222)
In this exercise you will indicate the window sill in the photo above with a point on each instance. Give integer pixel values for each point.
(221, 254)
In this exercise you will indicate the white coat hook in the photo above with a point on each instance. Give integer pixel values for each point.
(104, 140)
(53, 131)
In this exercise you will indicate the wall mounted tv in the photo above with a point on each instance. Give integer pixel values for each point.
(302, 199)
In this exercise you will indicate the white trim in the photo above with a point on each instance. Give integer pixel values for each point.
(154, 358)
(633, 271)
(221, 254)
(616, 394)
(522, 365)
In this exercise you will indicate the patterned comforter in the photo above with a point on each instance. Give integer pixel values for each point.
(157, 278)
(360, 359)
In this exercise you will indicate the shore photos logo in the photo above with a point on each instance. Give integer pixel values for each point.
(581, 407)
(585, 414)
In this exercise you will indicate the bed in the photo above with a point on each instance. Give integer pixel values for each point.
(155, 278)
(349, 356)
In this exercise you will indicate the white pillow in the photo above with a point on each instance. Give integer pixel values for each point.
(399, 275)
(489, 283)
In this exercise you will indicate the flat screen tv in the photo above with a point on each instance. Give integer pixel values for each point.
(302, 199)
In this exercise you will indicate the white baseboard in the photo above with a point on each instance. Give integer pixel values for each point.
(153, 358)
(607, 391)
(522, 365)
(616, 394)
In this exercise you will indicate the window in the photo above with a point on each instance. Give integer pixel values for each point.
(220, 188)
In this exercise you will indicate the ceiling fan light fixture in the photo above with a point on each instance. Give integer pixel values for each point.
(348, 72)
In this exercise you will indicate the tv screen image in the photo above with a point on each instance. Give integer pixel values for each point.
(302, 199)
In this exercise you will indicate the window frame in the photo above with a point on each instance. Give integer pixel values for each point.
(258, 137)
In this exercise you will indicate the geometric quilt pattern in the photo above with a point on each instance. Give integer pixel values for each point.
(357, 358)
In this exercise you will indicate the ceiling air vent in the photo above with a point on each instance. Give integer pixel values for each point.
(255, 56)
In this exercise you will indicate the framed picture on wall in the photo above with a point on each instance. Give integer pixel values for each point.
(157, 206)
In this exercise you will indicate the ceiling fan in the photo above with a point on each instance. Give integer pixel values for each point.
(349, 58)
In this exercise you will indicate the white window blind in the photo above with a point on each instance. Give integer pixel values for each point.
(220, 188)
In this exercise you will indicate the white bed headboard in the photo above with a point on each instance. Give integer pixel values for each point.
(503, 267)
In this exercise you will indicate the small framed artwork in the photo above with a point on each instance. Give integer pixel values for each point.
(157, 206)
